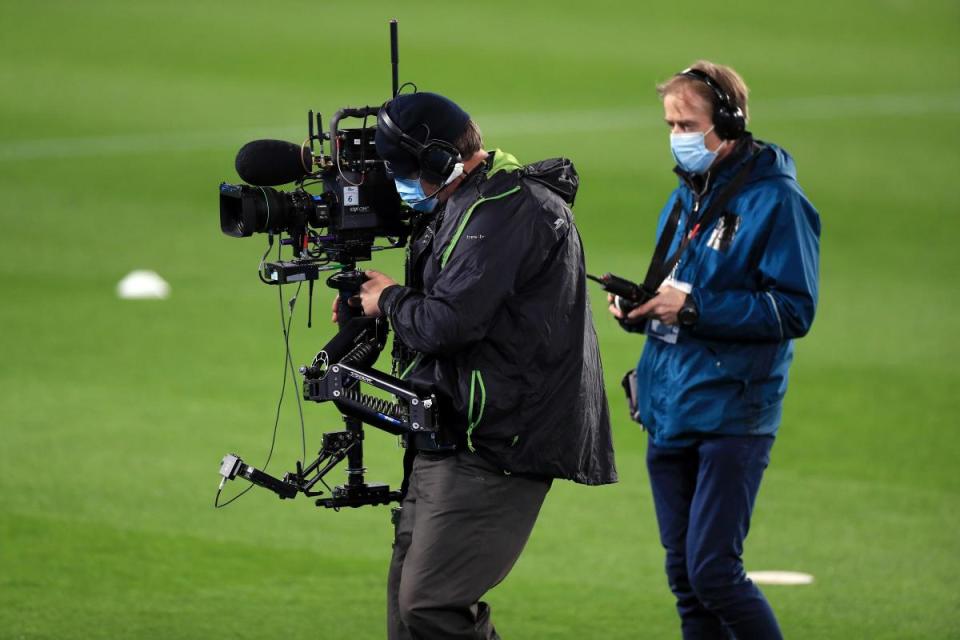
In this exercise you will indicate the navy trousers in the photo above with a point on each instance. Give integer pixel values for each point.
(704, 496)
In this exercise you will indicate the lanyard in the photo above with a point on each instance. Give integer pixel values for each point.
(660, 264)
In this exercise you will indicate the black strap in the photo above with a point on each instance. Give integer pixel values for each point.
(660, 264)
(656, 274)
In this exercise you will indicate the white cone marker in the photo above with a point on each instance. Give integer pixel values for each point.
(143, 285)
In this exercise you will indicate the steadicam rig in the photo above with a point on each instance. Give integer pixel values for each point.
(358, 204)
(340, 373)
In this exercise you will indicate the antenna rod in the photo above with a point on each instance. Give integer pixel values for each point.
(394, 56)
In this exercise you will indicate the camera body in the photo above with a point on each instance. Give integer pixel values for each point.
(340, 205)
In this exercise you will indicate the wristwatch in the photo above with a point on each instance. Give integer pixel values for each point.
(688, 314)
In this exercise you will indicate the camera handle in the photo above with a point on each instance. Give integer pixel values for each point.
(347, 283)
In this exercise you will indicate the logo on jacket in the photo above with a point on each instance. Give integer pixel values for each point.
(724, 233)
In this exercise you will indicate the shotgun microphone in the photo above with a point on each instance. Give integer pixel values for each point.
(269, 163)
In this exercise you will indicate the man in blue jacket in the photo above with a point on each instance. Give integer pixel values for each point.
(743, 259)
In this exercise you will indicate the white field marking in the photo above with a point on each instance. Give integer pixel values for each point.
(780, 577)
(504, 124)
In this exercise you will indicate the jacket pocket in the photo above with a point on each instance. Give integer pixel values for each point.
(747, 365)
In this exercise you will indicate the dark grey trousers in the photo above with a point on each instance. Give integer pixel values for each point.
(462, 528)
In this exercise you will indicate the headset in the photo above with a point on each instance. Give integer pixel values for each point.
(728, 119)
(439, 160)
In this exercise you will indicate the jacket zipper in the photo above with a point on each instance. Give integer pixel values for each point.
(474, 415)
(697, 201)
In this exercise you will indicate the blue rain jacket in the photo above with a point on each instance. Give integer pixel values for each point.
(754, 280)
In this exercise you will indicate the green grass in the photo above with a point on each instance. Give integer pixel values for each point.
(118, 120)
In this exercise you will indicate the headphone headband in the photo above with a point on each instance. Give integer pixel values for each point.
(728, 118)
(436, 158)
(388, 126)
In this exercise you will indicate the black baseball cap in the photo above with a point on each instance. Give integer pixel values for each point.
(423, 116)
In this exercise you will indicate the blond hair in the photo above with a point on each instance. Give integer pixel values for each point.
(728, 79)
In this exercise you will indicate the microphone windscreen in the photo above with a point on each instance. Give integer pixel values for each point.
(268, 163)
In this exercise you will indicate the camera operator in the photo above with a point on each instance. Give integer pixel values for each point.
(495, 320)
(712, 377)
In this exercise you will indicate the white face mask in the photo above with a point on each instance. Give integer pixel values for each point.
(690, 151)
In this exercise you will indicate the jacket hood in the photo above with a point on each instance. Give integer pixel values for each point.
(773, 162)
(557, 174)
(502, 161)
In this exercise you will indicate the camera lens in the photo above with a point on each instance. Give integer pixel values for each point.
(245, 210)
(236, 220)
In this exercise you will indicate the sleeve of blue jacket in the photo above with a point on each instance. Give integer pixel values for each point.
(781, 303)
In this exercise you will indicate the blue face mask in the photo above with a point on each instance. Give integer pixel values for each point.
(412, 193)
(690, 151)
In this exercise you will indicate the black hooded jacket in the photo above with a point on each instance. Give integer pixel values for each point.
(498, 315)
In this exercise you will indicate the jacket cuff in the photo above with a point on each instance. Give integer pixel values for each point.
(389, 298)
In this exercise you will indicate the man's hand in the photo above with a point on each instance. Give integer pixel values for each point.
(370, 292)
(335, 316)
(616, 313)
(663, 307)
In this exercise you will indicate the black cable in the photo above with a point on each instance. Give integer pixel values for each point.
(276, 424)
(285, 327)
(216, 504)
(324, 483)
(263, 259)
(287, 360)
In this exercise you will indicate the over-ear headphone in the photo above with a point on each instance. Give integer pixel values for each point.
(439, 160)
(728, 119)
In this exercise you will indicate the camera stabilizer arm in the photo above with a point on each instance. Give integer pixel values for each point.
(336, 446)
(411, 414)
(351, 351)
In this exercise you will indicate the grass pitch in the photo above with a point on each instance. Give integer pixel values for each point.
(119, 119)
